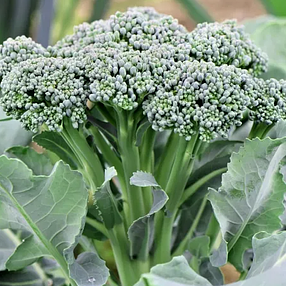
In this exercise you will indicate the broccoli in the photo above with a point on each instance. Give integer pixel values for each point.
(226, 43)
(206, 99)
(107, 89)
(20, 49)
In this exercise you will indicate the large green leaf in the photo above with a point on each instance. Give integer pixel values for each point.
(38, 163)
(268, 251)
(251, 195)
(52, 141)
(175, 273)
(51, 208)
(141, 230)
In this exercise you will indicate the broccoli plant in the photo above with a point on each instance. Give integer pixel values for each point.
(155, 141)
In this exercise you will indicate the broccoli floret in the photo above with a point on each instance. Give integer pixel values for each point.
(135, 58)
(267, 101)
(227, 43)
(205, 98)
(43, 91)
(14, 51)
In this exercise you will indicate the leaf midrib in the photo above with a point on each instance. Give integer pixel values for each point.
(51, 249)
(279, 156)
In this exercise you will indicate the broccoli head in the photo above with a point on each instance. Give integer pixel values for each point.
(206, 99)
(191, 82)
(44, 90)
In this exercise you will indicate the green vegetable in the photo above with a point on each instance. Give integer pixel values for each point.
(139, 112)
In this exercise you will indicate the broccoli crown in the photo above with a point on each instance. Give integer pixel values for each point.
(14, 51)
(187, 81)
(227, 43)
(43, 91)
(206, 99)
(267, 100)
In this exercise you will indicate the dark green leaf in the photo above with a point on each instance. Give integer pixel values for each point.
(250, 198)
(89, 269)
(54, 142)
(38, 163)
(105, 201)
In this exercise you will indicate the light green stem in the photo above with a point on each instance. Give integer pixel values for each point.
(180, 173)
(96, 224)
(131, 163)
(194, 187)
(165, 164)
(119, 244)
(91, 166)
(147, 164)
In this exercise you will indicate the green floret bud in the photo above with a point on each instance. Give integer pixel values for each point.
(227, 43)
(268, 101)
(14, 51)
(207, 99)
(84, 35)
(121, 76)
(45, 90)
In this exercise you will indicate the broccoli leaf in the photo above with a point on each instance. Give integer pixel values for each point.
(251, 195)
(89, 269)
(51, 208)
(268, 251)
(105, 203)
(174, 273)
(38, 163)
(141, 230)
(52, 141)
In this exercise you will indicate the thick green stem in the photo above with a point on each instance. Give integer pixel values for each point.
(194, 187)
(110, 156)
(179, 175)
(147, 164)
(184, 243)
(97, 225)
(128, 276)
(91, 166)
(165, 164)
(259, 130)
(131, 163)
